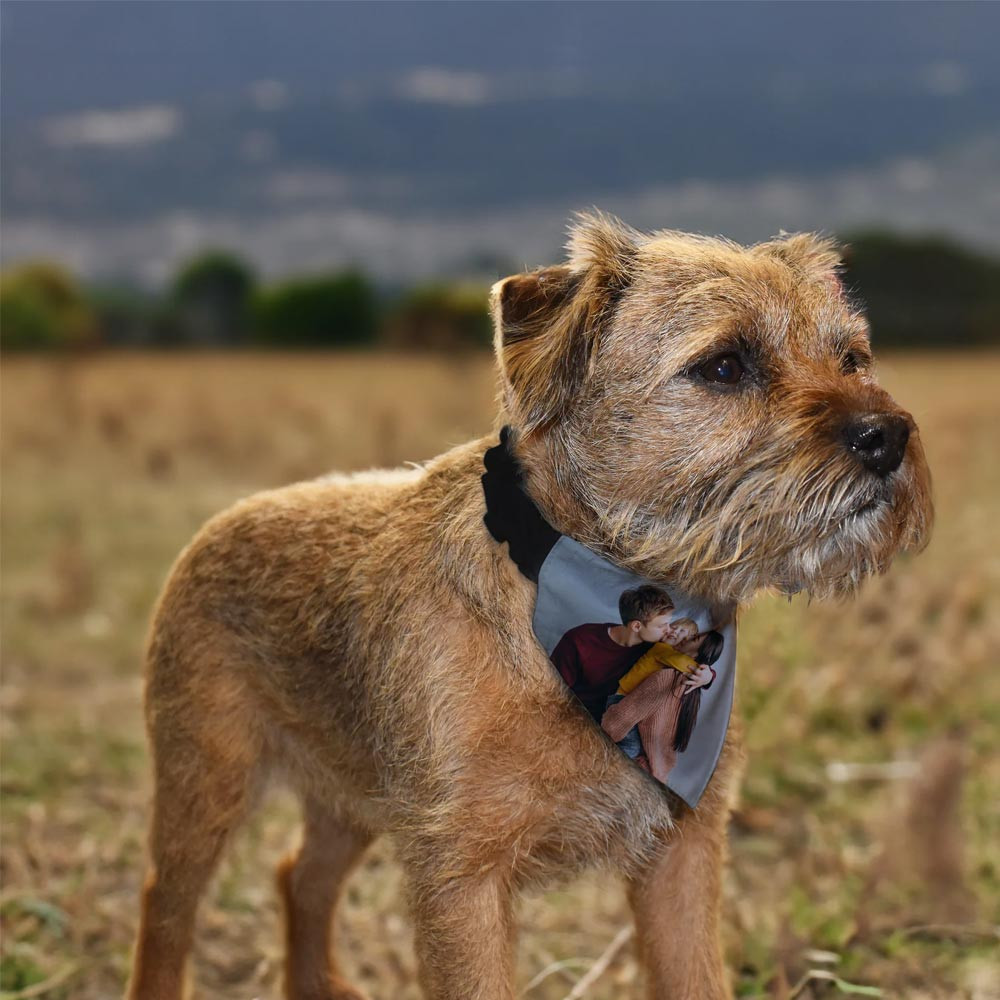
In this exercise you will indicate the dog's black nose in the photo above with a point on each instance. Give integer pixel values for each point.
(878, 440)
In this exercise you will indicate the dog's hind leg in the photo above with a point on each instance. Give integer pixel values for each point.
(206, 760)
(310, 882)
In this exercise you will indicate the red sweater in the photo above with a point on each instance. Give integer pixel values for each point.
(591, 663)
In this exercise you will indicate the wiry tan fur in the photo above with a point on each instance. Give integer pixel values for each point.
(366, 638)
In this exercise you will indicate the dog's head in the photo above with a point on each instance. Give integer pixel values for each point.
(707, 413)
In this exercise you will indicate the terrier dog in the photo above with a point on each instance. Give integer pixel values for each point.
(691, 409)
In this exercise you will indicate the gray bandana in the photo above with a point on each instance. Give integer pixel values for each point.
(579, 595)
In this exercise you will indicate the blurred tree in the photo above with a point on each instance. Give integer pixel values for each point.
(212, 295)
(440, 317)
(24, 321)
(924, 291)
(41, 305)
(328, 311)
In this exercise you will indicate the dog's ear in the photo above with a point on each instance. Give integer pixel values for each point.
(547, 322)
(601, 243)
(537, 347)
(810, 254)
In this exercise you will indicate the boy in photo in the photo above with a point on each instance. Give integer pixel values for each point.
(591, 658)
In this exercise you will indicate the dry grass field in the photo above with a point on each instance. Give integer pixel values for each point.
(864, 853)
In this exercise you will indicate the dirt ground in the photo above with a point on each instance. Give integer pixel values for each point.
(864, 856)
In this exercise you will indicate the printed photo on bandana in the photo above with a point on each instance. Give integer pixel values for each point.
(653, 667)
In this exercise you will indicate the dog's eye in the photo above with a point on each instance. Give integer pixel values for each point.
(726, 368)
(853, 361)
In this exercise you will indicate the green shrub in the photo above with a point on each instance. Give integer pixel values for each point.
(211, 297)
(41, 306)
(924, 291)
(330, 311)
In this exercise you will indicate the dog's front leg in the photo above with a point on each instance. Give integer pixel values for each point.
(676, 901)
(464, 934)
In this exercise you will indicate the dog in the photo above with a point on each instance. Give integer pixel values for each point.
(693, 410)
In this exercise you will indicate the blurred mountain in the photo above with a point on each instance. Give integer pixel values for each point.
(425, 138)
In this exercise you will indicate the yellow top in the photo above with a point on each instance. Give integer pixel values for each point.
(659, 656)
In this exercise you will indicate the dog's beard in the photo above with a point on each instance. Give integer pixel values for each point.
(859, 542)
(822, 529)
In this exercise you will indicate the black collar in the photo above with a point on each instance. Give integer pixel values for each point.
(511, 515)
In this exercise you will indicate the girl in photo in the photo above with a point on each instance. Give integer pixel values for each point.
(664, 704)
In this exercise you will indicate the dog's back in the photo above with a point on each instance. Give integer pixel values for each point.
(324, 623)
